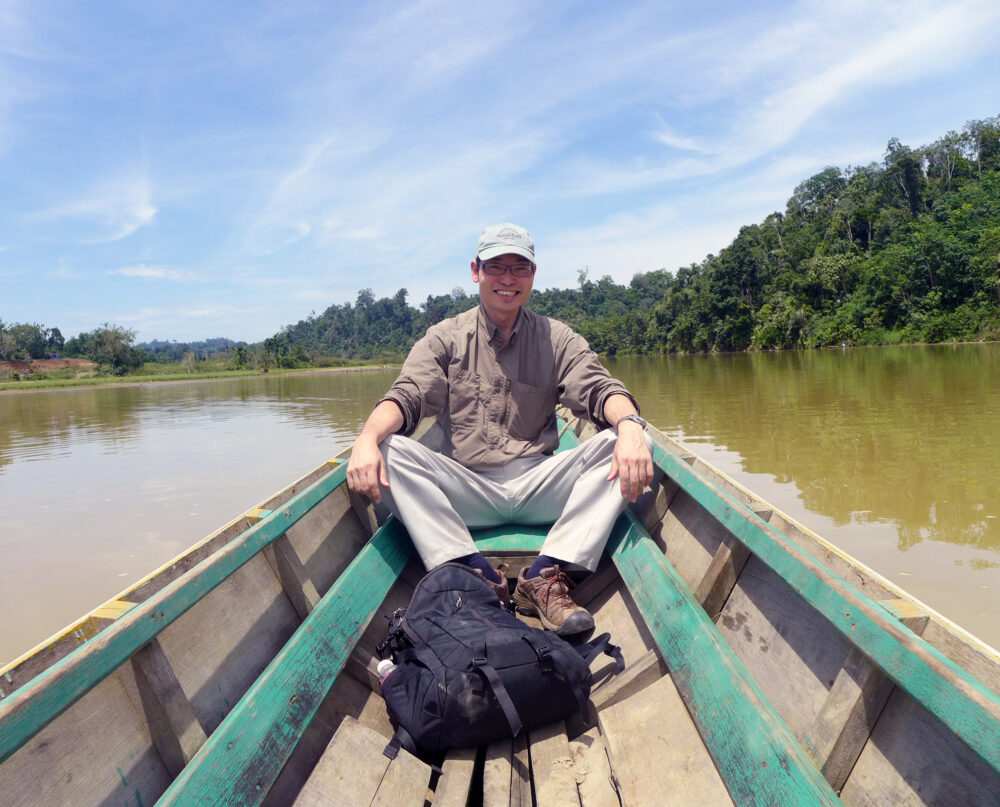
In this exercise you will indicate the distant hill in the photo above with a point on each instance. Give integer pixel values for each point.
(169, 351)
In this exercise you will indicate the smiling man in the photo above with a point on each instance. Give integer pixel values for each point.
(494, 376)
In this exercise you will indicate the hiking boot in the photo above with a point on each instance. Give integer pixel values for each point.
(548, 596)
(501, 589)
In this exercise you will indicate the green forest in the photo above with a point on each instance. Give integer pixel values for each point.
(903, 250)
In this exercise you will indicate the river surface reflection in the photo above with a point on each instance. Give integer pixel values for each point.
(890, 453)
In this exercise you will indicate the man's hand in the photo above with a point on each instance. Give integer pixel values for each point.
(631, 462)
(366, 469)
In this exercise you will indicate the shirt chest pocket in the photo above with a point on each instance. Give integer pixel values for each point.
(529, 408)
(464, 401)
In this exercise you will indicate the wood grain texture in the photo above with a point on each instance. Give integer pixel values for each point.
(912, 759)
(520, 773)
(353, 772)
(594, 780)
(244, 755)
(456, 778)
(966, 706)
(292, 574)
(657, 755)
(552, 767)
(34, 705)
(760, 760)
(99, 754)
(497, 774)
(173, 727)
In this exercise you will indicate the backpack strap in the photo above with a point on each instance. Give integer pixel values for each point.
(488, 671)
(403, 739)
(601, 644)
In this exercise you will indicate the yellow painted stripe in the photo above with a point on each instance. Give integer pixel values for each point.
(113, 609)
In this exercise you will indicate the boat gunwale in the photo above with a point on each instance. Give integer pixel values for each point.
(32, 706)
(83, 627)
(684, 458)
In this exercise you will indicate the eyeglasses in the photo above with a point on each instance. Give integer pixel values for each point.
(496, 268)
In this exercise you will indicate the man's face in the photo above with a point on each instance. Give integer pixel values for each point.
(503, 294)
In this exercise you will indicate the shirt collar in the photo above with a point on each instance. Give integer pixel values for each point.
(493, 332)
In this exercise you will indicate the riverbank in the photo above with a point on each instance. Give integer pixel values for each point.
(167, 378)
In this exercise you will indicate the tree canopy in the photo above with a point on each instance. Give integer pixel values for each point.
(902, 250)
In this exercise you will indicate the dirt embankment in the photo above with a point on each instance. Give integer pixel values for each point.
(44, 365)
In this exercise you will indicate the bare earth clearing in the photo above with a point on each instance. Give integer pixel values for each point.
(43, 365)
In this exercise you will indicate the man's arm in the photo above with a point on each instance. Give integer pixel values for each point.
(366, 469)
(632, 462)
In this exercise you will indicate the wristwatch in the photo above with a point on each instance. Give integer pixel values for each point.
(633, 418)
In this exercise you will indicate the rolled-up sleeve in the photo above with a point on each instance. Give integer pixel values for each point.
(584, 383)
(421, 390)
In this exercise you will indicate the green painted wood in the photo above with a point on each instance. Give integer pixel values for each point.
(510, 538)
(756, 753)
(243, 757)
(32, 707)
(952, 695)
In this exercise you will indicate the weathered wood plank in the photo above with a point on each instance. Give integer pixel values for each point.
(45, 697)
(912, 759)
(967, 707)
(293, 577)
(657, 755)
(497, 774)
(520, 773)
(552, 767)
(244, 755)
(173, 727)
(720, 578)
(353, 771)
(636, 676)
(854, 703)
(456, 778)
(99, 754)
(759, 758)
(594, 780)
(843, 725)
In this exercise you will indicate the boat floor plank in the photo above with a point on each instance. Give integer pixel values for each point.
(455, 783)
(903, 761)
(595, 783)
(348, 698)
(552, 768)
(353, 771)
(636, 676)
(520, 773)
(616, 613)
(656, 752)
(497, 774)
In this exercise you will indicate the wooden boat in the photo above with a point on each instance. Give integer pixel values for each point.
(764, 667)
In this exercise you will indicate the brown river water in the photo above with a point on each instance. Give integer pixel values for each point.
(890, 453)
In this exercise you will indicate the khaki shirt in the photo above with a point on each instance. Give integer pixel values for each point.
(496, 402)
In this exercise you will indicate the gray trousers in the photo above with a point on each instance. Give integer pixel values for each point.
(439, 499)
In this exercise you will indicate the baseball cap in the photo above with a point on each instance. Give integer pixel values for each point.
(505, 238)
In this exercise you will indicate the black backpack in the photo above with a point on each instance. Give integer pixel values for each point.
(469, 672)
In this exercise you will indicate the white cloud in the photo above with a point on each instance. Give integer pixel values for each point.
(113, 211)
(153, 273)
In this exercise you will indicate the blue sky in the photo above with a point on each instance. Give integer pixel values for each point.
(223, 169)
